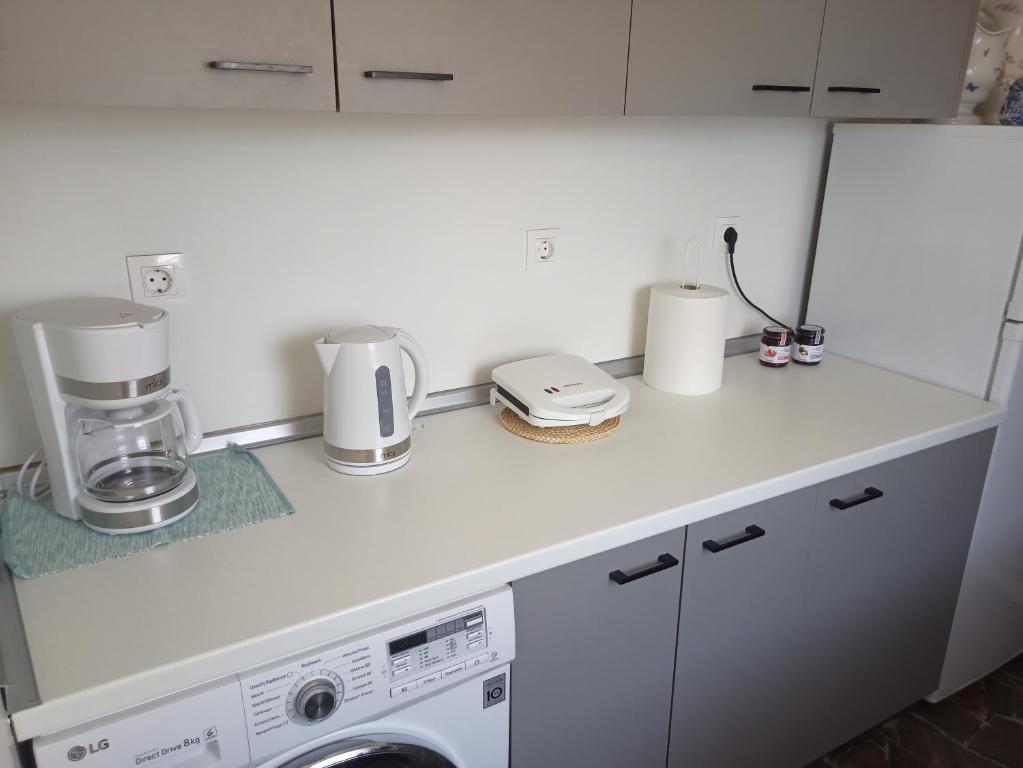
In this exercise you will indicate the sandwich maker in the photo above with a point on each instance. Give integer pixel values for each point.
(559, 391)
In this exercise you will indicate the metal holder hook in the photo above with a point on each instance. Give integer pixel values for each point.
(685, 264)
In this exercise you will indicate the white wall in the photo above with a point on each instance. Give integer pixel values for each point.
(293, 224)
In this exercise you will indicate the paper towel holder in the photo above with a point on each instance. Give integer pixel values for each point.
(685, 265)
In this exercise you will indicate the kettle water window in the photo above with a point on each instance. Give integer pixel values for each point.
(385, 405)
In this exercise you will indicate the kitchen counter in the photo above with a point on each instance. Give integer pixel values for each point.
(476, 507)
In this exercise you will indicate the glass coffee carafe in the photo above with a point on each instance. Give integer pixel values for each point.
(131, 454)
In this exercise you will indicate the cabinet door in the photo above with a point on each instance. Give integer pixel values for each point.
(893, 58)
(160, 54)
(723, 57)
(484, 57)
(8, 751)
(884, 577)
(740, 680)
(594, 659)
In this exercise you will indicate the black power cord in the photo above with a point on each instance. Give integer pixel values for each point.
(731, 237)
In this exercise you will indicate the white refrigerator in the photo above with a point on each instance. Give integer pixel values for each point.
(918, 271)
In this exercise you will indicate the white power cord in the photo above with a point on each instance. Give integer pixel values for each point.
(34, 491)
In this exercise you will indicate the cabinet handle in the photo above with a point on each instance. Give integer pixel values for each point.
(786, 88)
(869, 494)
(377, 74)
(246, 66)
(752, 532)
(664, 562)
(851, 89)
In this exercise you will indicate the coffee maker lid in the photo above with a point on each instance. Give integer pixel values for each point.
(366, 334)
(92, 314)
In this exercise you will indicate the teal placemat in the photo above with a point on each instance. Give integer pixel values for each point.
(234, 490)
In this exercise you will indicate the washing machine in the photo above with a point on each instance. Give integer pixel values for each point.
(430, 691)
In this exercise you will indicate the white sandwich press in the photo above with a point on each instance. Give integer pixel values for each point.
(559, 391)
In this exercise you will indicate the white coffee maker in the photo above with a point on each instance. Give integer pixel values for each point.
(115, 435)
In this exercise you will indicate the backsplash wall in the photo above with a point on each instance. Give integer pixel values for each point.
(293, 224)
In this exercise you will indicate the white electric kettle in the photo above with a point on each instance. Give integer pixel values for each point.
(367, 419)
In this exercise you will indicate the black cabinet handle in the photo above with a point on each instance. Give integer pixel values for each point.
(664, 562)
(786, 88)
(752, 532)
(851, 89)
(869, 494)
(377, 74)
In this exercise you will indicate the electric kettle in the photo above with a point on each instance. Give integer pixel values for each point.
(367, 419)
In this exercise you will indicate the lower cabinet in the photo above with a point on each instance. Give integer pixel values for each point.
(798, 623)
(740, 683)
(883, 579)
(594, 658)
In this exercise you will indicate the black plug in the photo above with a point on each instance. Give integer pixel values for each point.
(731, 237)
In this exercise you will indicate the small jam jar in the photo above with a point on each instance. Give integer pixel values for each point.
(775, 346)
(808, 345)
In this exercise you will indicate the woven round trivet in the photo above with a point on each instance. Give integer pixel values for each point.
(582, 433)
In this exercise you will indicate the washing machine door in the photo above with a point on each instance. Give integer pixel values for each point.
(372, 752)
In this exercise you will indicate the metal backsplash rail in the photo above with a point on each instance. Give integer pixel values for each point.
(302, 427)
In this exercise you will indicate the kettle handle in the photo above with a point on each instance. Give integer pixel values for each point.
(190, 417)
(415, 353)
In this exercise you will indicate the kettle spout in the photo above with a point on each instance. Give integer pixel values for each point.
(327, 353)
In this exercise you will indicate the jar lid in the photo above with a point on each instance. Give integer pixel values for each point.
(777, 333)
(810, 334)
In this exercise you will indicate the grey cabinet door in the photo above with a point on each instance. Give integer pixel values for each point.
(158, 54)
(883, 580)
(594, 660)
(741, 683)
(707, 56)
(909, 55)
(528, 57)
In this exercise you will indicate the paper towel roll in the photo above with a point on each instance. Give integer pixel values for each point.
(685, 339)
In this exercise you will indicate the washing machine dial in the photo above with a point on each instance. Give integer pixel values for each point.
(315, 697)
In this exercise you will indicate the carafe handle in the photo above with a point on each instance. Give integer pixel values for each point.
(415, 353)
(190, 417)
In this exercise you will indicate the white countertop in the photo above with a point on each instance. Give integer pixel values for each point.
(476, 507)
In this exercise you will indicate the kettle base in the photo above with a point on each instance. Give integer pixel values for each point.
(369, 469)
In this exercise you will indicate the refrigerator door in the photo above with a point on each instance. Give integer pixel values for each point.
(918, 248)
(988, 626)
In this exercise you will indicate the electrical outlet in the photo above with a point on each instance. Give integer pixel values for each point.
(542, 253)
(158, 279)
(717, 239)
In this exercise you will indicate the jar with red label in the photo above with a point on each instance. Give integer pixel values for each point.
(775, 347)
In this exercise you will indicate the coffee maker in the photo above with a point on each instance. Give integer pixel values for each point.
(115, 434)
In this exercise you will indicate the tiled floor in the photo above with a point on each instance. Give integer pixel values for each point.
(979, 727)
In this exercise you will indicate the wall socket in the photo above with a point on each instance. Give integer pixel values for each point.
(542, 249)
(718, 247)
(158, 279)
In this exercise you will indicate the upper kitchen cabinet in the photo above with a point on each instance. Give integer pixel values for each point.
(723, 57)
(893, 58)
(186, 53)
(484, 57)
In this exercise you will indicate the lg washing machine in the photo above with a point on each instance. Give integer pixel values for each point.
(430, 691)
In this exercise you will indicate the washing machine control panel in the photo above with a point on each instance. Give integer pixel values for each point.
(433, 650)
(294, 702)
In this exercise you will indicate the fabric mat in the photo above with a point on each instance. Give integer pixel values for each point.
(234, 490)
